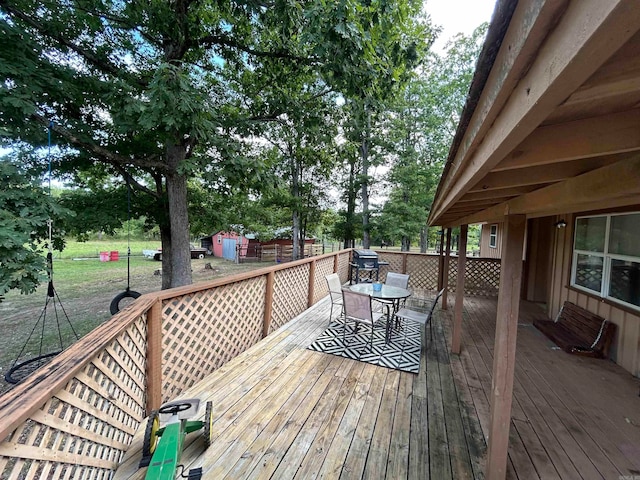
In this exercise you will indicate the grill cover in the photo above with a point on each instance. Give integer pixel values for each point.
(365, 258)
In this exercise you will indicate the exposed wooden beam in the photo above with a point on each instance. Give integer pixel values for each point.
(591, 137)
(504, 351)
(588, 33)
(619, 76)
(542, 174)
(499, 198)
(506, 192)
(457, 309)
(518, 49)
(470, 208)
(612, 185)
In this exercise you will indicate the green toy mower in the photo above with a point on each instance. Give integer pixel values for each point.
(162, 445)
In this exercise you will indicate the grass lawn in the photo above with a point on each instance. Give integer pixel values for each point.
(86, 286)
(92, 249)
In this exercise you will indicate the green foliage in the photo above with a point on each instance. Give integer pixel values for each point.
(162, 91)
(25, 211)
(421, 127)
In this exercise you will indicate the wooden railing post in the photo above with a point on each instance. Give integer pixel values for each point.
(441, 262)
(312, 283)
(445, 271)
(336, 262)
(154, 357)
(457, 310)
(405, 255)
(268, 304)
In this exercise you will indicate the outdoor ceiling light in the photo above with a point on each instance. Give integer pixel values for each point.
(560, 224)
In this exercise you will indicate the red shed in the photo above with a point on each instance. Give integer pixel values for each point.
(225, 244)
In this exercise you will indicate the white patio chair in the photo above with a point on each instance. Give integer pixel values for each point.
(357, 307)
(335, 293)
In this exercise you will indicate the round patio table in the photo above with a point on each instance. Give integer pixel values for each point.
(387, 292)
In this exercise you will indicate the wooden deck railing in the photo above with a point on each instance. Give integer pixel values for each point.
(482, 275)
(76, 416)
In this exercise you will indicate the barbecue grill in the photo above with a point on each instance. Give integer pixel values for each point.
(363, 261)
(365, 258)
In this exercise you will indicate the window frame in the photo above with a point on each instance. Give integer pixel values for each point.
(493, 236)
(607, 257)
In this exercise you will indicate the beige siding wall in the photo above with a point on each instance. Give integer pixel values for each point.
(485, 250)
(625, 350)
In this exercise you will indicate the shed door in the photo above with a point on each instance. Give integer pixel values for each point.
(229, 248)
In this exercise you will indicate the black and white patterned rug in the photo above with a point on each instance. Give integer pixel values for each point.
(401, 353)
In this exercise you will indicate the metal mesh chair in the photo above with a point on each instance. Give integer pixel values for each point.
(357, 307)
(394, 280)
(418, 316)
(335, 293)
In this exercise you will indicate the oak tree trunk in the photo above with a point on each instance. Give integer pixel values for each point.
(424, 239)
(177, 260)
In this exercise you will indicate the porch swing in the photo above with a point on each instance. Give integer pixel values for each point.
(22, 367)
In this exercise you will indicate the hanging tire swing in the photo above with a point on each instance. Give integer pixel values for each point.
(21, 367)
(128, 293)
(115, 303)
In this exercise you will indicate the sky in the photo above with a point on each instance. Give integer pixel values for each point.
(457, 16)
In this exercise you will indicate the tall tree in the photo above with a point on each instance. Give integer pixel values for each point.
(421, 126)
(302, 144)
(157, 92)
(401, 35)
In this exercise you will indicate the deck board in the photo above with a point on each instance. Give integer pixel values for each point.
(283, 412)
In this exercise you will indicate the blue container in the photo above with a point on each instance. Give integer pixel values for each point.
(377, 286)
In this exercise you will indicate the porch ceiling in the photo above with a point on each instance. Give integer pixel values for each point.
(553, 121)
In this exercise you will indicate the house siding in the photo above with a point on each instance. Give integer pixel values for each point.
(625, 350)
(485, 250)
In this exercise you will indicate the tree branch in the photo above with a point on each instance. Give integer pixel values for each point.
(132, 181)
(223, 40)
(112, 158)
(102, 64)
(124, 22)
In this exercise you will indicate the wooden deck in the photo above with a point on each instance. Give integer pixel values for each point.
(283, 412)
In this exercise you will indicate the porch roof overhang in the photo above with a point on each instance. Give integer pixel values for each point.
(552, 120)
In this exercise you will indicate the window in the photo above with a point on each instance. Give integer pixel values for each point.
(493, 236)
(606, 257)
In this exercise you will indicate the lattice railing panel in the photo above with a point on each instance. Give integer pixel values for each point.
(324, 267)
(290, 295)
(453, 274)
(395, 263)
(84, 429)
(204, 330)
(482, 276)
(343, 266)
(423, 270)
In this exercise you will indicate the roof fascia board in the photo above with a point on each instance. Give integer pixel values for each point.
(589, 32)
